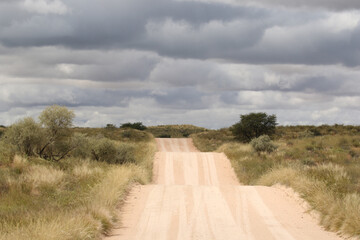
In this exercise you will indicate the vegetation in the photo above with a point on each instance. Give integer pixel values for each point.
(321, 163)
(211, 140)
(50, 138)
(263, 144)
(254, 125)
(137, 125)
(174, 131)
(123, 135)
(77, 197)
(110, 126)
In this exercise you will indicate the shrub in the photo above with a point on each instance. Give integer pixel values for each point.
(56, 121)
(103, 150)
(82, 146)
(6, 153)
(263, 144)
(26, 135)
(125, 153)
(110, 126)
(136, 125)
(254, 125)
(134, 135)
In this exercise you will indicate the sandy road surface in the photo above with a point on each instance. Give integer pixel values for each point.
(197, 196)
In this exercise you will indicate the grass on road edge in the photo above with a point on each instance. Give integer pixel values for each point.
(77, 199)
(325, 171)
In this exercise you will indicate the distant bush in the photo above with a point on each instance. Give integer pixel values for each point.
(136, 125)
(164, 136)
(134, 135)
(110, 126)
(263, 144)
(174, 131)
(211, 140)
(254, 125)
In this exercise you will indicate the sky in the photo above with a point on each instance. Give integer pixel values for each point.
(201, 62)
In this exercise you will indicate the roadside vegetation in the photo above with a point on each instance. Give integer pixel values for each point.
(174, 131)
(321, 163)
(59, 182)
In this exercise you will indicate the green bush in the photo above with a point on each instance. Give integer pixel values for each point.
(254, 125)
(125, 153)
(263, 144)
(82, 145)
(134, 135)
(106, 150)
(103, 150)
(26, 135)
(138, 125)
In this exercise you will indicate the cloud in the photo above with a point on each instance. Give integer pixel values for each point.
(45, 6)
(328, 4)
(201, 62)
(197, 30)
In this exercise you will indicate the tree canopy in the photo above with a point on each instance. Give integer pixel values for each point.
(254, 125)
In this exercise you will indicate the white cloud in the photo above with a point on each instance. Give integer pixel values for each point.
(45, 6)
(342, 21)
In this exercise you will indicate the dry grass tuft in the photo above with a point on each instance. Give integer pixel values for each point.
(86, 170)
(72, 199)
(39, 175)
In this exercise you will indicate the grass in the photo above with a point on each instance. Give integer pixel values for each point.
(211, 140)
(324, 170)
(118, 134)
(174, 131)
(72, 199)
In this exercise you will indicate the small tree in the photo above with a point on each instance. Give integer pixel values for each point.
(56, 121)
(26, 135)
(263, 144)
(254, 125)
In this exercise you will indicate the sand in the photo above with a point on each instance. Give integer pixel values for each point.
(196, 195)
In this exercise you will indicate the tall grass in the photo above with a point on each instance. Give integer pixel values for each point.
(72, 199)
(324, 170)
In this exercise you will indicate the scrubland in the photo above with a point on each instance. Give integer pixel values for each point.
(174, 131)
(76, 197)
(322, 164)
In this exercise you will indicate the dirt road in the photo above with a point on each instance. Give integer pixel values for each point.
(197, 196)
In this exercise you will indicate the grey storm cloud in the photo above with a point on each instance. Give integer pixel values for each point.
(193, 61)
(190, 29)
(329, 4)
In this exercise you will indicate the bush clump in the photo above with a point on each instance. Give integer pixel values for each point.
(106, 150)
(263, 144)
(253, 125)
(137, 125)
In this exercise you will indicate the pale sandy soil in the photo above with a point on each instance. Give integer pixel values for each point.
(197, 196)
